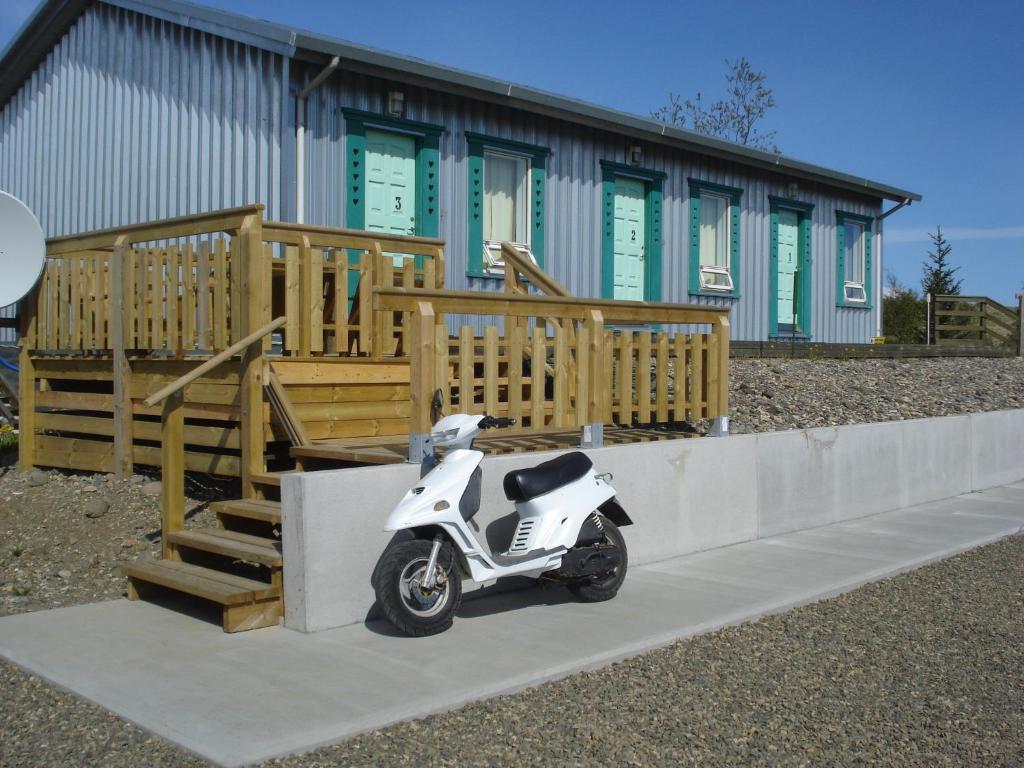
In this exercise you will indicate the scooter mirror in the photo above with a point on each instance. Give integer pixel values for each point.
(436, 407)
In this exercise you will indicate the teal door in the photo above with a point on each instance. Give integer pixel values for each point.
(789, 260)
(391, 184)
(628, 251)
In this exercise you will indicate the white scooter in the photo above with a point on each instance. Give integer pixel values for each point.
(567, 531)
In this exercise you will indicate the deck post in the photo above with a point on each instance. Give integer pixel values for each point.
(122, 369)
(421, 365)
(172, 477)
(252, 290)
(27, 381)
(593, 431)
(720, 426)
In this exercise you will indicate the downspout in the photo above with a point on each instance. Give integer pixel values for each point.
(879, 277)
(300, 137)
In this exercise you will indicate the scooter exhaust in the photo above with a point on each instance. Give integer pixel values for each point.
(589, 561)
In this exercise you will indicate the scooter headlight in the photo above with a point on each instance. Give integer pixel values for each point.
(444, 436)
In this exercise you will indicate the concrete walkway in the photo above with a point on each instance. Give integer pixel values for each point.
(236, 699)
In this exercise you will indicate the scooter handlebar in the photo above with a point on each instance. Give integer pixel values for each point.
(495, 422)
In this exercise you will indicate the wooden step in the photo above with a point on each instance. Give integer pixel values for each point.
(239, 546)
(270, 478)
(251, 509)
(246, 603)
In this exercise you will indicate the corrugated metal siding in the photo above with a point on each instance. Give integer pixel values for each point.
(131, 118)
(573, 212)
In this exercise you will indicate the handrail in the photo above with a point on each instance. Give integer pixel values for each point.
(511, 305)
(213, 362)
(362, 234)
(531, 271)
(179, 226)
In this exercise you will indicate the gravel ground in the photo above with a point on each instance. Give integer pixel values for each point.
(943, 695)
(926, 668)
(768, 395)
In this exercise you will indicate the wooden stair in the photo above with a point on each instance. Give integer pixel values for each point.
(238, 565)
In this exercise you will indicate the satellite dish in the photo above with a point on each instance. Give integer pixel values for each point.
(22, 249)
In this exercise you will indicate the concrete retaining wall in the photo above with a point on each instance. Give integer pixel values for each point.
(684, 495)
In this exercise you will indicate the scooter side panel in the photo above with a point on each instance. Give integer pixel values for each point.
(559, 515)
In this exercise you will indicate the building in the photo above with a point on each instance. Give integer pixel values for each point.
(119, 111)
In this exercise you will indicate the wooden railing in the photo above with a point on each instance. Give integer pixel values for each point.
(579, 373)
(979, 320)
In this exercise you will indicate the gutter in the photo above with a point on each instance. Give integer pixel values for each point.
(879, 277)
(300, 137)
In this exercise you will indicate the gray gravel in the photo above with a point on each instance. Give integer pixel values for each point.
(768, 395)
(926, 668)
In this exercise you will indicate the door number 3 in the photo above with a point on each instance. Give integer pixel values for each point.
(398, 203)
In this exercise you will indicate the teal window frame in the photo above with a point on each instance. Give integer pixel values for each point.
(428, 160)
(735, 195)
(653, 184)
(804, 213)
(478, 143)
(842, 217)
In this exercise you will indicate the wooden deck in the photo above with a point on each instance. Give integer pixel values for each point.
(389, 450)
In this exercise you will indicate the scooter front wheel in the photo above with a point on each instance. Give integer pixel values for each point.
(409, 605)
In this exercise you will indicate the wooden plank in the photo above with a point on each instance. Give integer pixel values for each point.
(365, 295)
(321, 430)
(538, 356)
(73, 275)
(680, 378)
(711, 372)
(442, 367)
(625, 378)
(596, 370)
(211, 437)
(362, 454)
(155, 300)
(561, 416)
(515, 333)
(219, 287)
(252, 276)
(408, 278)
(172, 289)
(286, 411)
(373, 409)
(510, 305)
(491, 369)
(207, 583)
(26, 383)
(607, 380)
(356, 393)
(581, 409)
(172, 473)
(341, 313)
(697, 387)
(421, 355)
(661, 378)
(341, 371)
(297, 297)
(209, 463)
(238, 546)
(64, 306)
(643, 377)
(121, 283)
(188, 298)
(722, 331)
(315, 312)
(467, 375)
(204, 339)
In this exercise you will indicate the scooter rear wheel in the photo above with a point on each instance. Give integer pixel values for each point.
(398, 583)
(604, 587)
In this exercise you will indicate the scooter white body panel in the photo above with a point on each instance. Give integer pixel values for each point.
(548, 525)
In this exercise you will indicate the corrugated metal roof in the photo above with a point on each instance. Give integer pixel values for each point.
(52, 18)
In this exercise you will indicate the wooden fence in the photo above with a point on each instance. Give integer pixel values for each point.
(582, 373)
(978, 320)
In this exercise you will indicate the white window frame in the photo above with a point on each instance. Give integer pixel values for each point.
(493, 262)
(705, 271)
(853, 291)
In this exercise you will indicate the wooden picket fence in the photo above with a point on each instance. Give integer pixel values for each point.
(555, 364)
(978, 320)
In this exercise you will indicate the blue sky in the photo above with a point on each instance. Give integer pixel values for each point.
(922, 95)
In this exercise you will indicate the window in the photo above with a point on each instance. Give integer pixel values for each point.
(506, 206)
(506, 202)
(714, 242)
(853, 257)
(853, 268)
(714, 238)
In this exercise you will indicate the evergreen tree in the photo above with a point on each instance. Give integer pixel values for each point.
(937, 276)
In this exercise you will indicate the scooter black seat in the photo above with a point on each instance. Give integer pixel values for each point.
(526, 484)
